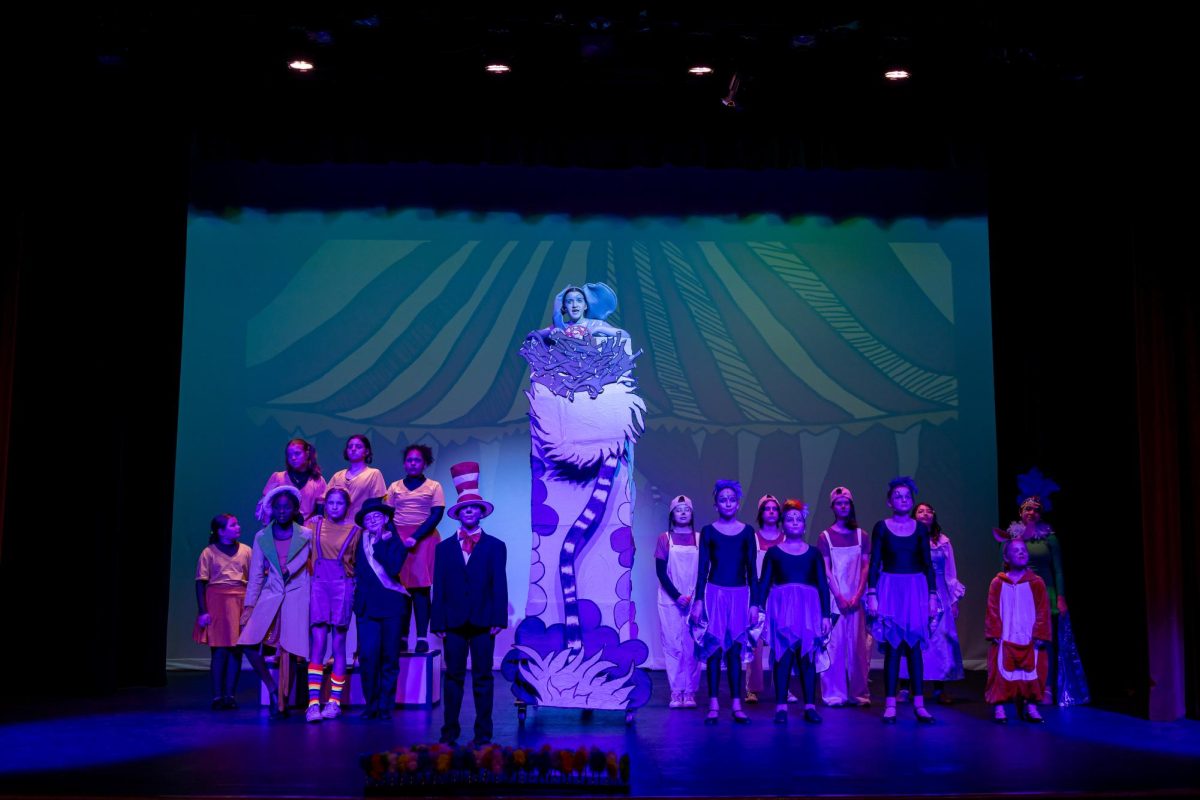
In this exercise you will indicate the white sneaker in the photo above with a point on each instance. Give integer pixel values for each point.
(676, 700)
(313, 714)
(689, 700)
(792, 698)
(331, 711)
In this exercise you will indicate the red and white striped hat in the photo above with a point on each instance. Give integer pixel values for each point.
(466, 482)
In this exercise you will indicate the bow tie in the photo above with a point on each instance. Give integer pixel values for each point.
(468, 540)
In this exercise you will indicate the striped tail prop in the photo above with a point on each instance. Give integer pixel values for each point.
(577, 538)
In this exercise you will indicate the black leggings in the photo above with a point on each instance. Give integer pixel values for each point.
(225, 667)
(891, 669)
(733, 666)
(259, 663)
(417, 603)
(808, 678)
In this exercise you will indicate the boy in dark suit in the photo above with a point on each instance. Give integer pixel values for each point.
(470, 604)
(378, 603)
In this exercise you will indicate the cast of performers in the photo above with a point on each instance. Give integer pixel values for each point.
(379, 602)
(360, 480)
(221, 576)
(419, 504)
(726, 583)
(768, 535)
(943, 658)
(303, 473)
(676, 556)
(846, 549)
(276, 608)
(794, 590)
(335, 538)
(901, 595)
(470, 605)
(1018, 626)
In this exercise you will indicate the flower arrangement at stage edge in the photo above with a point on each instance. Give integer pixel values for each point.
(427, 767)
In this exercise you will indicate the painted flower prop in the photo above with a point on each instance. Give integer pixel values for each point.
(604, 675)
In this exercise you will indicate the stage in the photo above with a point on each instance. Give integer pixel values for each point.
(165, 742)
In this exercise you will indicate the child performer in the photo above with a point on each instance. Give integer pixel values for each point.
(796, 594)
(331, 596)
(221, 576)
(847, 552)
(943, 661)
(768, 535)
(419, 504)
(1018, 625)
(379, 600)
(675, 559)
(901, 595)
(470, 605)
(302, 472)
(725, 586)
(359, 479)
(276, 612)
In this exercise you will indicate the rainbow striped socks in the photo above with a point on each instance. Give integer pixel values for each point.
(337, 684)
(316, 673)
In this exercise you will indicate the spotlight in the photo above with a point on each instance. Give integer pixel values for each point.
(897, 75)
(300, 65)
(498, 69)
(700, 69)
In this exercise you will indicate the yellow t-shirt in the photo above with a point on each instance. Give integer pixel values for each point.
(412, 508)
(222, 570)
(333, 535)
(366, 484)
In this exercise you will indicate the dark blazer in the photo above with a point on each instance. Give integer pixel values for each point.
(475, 593)
(372, 598)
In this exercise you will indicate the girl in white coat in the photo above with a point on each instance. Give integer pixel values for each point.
(276, 610)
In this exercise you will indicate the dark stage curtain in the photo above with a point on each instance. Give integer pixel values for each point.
(99, 178)
(9, 291)
(1168, 363)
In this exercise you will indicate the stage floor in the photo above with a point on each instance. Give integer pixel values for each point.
(165, 742)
